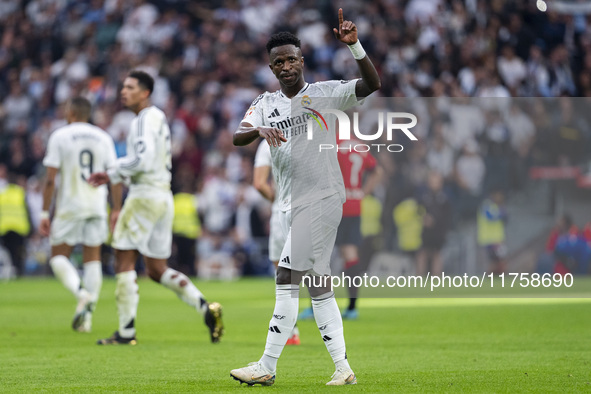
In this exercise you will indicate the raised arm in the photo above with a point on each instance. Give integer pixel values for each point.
(370, 80)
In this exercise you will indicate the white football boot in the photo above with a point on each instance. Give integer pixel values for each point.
(342, 376)
(255, 373)
(82, 321)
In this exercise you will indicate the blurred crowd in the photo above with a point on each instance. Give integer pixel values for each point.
(209, 63)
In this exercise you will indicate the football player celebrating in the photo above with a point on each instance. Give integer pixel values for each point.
(311, 208)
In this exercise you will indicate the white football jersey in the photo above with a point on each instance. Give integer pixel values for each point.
(302, 173)
(148, 160)
(78, 150)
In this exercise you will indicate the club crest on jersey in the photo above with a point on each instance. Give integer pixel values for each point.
(306, 100)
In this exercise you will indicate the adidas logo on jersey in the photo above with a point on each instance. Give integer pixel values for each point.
(274, 329)
(274, 114)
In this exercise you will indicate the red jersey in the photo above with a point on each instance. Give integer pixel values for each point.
(353, 164)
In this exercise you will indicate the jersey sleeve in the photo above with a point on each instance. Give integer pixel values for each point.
(52, 156)
(344, 93)
(254, 114)
(263, 155)
(141, 149)
(110, 152)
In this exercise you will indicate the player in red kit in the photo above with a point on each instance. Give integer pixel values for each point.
(354, 167)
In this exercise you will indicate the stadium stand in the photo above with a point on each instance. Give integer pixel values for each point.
(209, 62)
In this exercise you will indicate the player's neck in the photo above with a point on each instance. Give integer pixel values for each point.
(290, 91)
(74, 120)
(140, 107)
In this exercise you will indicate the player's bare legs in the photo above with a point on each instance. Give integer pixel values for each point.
(92, 279)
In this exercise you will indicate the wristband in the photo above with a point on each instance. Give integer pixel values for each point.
(357, 50)
(44, 215)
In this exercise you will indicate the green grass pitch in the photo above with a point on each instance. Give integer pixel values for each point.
(397, 345)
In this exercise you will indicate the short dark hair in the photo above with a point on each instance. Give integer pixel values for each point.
(80, 108)
(144, 79)
(283, 38)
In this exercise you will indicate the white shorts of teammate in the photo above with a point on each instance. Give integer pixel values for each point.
(277, 234)
(88, 232)
(313, 232)
(145, 224)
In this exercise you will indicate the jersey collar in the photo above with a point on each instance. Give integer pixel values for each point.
(298, 93)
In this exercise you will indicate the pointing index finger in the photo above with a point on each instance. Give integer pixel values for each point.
(340, 17)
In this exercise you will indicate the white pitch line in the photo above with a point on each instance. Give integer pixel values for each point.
(430, 302)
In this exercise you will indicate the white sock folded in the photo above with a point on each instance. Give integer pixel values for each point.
(184, 289)
(329, 322)
(281, 325)
(92, 278)
(66, 273)
(126, 294)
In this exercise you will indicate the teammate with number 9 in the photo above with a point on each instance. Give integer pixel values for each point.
(75, 151)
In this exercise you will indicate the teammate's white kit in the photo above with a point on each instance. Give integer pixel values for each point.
(277, 236)
(78, 150)
(310, 189)
(145, 222)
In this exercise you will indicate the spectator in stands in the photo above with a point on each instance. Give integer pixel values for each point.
(18, 107)
(574, 253)
(511, 68)
(497, 144)
(469, 174)
(491, 220)
(50, 49)
(186, 228)
(436, 225)
(15, 223)
(548, 262)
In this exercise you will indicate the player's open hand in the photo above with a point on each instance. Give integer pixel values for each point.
(347, 31)
(44, 227)
(273, 136)
(98, 178)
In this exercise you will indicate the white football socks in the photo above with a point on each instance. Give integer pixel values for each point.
(126, 294)
(329, 322)
(281, 324)
(66, 273)
(92, 278)
(184, 289)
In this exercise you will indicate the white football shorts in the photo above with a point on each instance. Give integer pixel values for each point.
(313, 232)
(145, 225)
(88, 232)
(277, 234)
